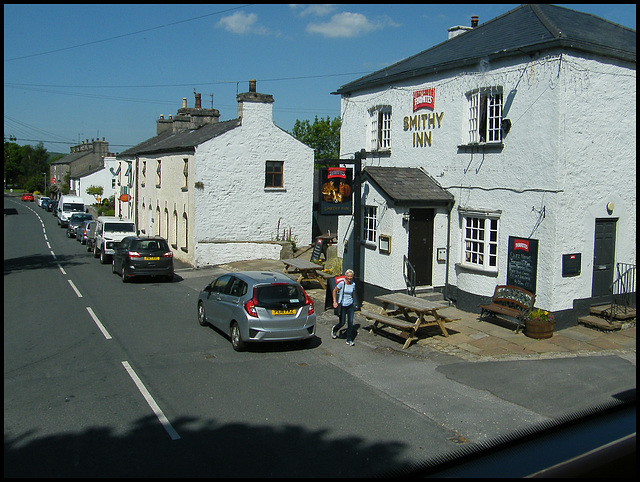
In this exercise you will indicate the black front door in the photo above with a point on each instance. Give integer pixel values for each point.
(421, 244)
(603, 260)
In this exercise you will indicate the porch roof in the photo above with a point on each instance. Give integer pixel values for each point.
(408, 186)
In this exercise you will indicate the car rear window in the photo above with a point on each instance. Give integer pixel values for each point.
(149, 245)
(119, 228)
(279, 295)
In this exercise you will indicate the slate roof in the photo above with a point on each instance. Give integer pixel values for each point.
(526, 29)
(183, 140)
(408, 186)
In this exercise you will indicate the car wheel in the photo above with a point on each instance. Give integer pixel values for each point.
(68, 234)
(202, 315)
(103, 257)
(125, 278)
(236, 339)
(113, 266)
(95, 252)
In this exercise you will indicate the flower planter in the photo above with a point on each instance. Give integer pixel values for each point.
(539, 329)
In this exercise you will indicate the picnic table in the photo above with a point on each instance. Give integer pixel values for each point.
(305, 271)
(409, 307)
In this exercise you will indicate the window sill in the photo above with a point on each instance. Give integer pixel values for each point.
(275, 189)
(476, 269)
(481, 146)
(184, 249)
(184, 189)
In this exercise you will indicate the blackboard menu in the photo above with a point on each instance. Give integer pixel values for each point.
(317, 249)
(522, 266)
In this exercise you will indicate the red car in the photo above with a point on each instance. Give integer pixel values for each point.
(27, 197)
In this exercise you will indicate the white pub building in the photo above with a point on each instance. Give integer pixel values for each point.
(503, 155)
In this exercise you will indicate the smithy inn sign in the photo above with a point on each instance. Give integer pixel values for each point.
(421, 125)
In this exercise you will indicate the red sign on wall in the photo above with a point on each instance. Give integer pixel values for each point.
(424, 98)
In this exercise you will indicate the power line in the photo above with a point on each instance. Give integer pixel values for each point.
(127, 34)
(153, 86)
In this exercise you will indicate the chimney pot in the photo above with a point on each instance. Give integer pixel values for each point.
(198, 101)
(252, 85)
(474, 21)
(184, 102)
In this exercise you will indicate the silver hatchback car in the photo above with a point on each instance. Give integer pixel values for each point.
(254, 306)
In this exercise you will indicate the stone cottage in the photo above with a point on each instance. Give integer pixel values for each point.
(220, 191)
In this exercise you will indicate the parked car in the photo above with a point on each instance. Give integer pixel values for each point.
(142, 256)
(109, 231)
(53, 207)
(75, 221)
(255, 306)
(45, 202)
(67, 205)
(81, 232)
(90, 235)
(42, 200)
(27, 196)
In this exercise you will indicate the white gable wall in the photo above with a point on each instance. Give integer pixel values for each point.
(234, 205)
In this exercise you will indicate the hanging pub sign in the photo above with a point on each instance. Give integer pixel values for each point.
(335, 195)
(522, 265)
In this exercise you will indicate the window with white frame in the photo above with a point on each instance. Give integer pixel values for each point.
(480, 242)
(185, 173)
(369, 227)
(380, 128)
(158, 173)
(485, 116)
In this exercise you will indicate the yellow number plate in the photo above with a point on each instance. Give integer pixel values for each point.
(154, 258)
(283, 312)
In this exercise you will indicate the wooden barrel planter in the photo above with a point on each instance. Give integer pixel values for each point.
(538, 329)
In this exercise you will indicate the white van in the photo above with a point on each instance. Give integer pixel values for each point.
(67, 205)
(111, 230)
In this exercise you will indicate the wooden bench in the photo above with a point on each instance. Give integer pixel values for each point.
(325, 275)
(407, 328)
(510, 301)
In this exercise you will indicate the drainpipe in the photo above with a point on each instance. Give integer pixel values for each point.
(446, 281)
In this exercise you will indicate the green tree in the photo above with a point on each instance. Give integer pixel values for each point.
(95, 191)
(323, 136)
(26, 166)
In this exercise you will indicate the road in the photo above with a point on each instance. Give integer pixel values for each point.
(105, 379)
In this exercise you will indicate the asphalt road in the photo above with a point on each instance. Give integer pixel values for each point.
(105, 379)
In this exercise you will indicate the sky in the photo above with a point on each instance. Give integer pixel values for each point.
(80, 72)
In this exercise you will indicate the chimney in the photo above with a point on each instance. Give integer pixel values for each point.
(198, 101)
(184, 102)
(259, 101)
(474, 21)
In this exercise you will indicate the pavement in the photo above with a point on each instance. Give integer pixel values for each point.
(469, 338)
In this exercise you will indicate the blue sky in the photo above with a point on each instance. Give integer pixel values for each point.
(77, 72)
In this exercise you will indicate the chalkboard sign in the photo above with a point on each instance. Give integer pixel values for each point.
(522, 266)
(317, 250)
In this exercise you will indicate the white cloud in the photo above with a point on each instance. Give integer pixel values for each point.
(242, 23)
(347, 24)
(317, 10)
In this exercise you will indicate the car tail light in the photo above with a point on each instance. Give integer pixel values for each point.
(168, 254)
(134, 254)
(250, 306)
(309, 302)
